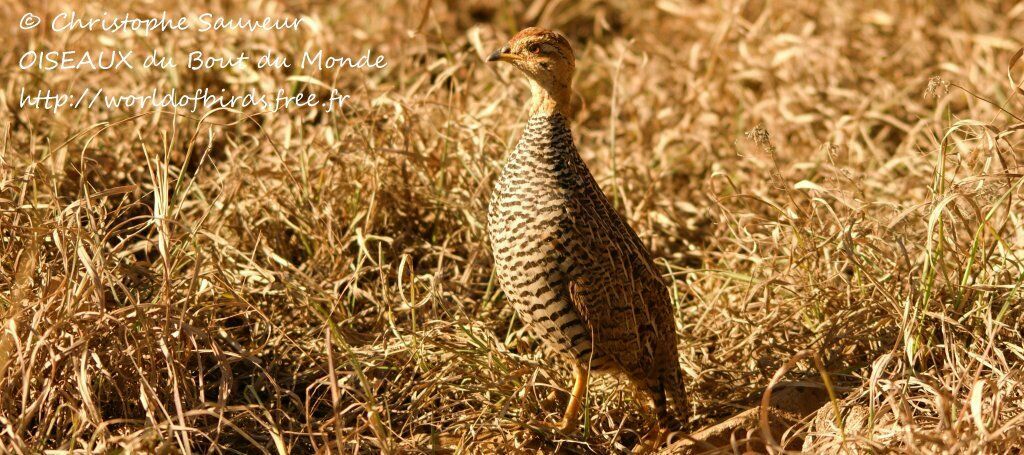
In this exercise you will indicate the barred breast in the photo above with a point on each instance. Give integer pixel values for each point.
(533, 238)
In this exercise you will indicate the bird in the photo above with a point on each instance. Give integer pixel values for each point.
(577, 274)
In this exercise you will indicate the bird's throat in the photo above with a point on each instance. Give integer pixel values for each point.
(549, 100)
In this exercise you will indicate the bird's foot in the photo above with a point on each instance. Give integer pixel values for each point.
(562, 426)
(652, 441)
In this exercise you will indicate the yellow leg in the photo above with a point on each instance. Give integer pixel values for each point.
(652, 441)
(579, 391)
(570, 420)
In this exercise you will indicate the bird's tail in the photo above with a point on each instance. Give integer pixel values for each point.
(669, 395)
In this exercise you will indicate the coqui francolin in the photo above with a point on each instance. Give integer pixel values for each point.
(577, 274)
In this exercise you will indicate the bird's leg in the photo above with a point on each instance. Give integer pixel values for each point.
(652, 440)
(656, 436)
(570, 420)
(579, 391)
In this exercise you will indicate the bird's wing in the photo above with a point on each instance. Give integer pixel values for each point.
(616, 289)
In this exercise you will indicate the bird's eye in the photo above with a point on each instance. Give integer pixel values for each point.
(534, 49)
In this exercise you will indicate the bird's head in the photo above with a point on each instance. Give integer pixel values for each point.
(546, 58)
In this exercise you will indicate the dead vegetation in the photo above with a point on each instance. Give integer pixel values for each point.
(837, 184)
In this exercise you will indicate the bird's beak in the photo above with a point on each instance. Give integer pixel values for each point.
(500, 55)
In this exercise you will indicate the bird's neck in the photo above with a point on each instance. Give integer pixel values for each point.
(550, 100)
(546, 139)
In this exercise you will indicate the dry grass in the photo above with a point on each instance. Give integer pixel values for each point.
(297, 281)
